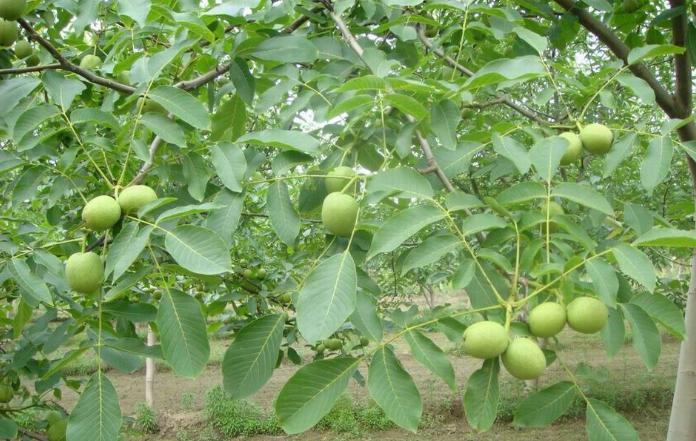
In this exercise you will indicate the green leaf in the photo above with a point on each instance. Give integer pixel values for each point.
(667, 237)
(365, 317)
(445, 118)
(286, 49)
(430, 251)
(604, 280)
(402, 2)
(655, 167)
(520, 69)
(125, 249)
(458, 200)
(403, 225)
(62, 90)
(183, 333)
(284, 139)
(311, 393)
(284, 218)
(482, 396)
(230, 164)
(249, 361)
(664, 311)
(401, 181)
(367, 82)
(613, 334)
(545, 406)
(582, 195)
(457, 161)
(512, 150)
(327, 297)
(651, 51)
(464, 274)
(638, 217)
(407, 105)
(198, 249)
(480, 222)
(8, 428)
(13, 90)
(636, 265)
(31, 119)
(393, 390)
(90, 114)
(97, 415)
(135, 9)
(224, 221)
(604, 424)
(521, 192)
(244, 82)
(646, 338)
(546, 156)
(185, 210)
(165, 128)
(33, 288)
(431, 356)
(353, 103)
(533, 39)
(638, 86)
(621, 149)
(229, 121)
(182, 105)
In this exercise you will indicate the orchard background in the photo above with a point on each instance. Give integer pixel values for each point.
(448, 132)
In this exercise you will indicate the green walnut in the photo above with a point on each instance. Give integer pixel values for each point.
(56, 431)
(23, 49)
(587, 315)
(101, 213)
(53, 417)
(248, 274)
(261, 273)
(524, 359)
(339, 213)
(12, 9)
(90, 62)
(574, 149)
(596, 138)
(32, 60)
(285, 299)
(85, 272)
(338, 178)
(547, 319)
(6, 393)
(133, 198)
(8, 33)
(485, 339)
(333, 344)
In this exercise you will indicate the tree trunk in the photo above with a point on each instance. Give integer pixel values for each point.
(150, 371)
(682, 420)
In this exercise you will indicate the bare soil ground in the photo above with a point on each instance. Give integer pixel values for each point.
(179, 401)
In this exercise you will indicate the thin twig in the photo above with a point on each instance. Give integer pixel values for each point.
(500, 98)
(29, 69)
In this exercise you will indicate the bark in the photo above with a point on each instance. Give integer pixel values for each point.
(150, 371)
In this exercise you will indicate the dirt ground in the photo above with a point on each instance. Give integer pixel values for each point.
(179, 401)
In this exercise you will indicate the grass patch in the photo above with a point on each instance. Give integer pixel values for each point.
(237, 417)
(352, 418)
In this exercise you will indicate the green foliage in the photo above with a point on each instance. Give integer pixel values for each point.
(145, 419)
(232, 417)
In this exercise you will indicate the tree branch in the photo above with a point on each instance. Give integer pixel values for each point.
(70, 66)
(502, 98)
(21, 70)
(424, 144)
(621, 50)
(682, 66)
